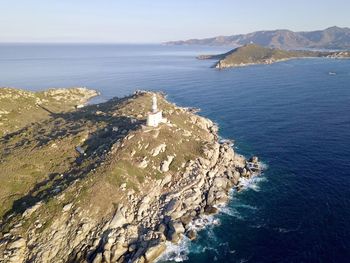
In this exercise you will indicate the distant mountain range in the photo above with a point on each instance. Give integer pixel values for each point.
(330, 38)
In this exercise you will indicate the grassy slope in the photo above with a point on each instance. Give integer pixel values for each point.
(40, 162)
(31, 146)
(19, 108)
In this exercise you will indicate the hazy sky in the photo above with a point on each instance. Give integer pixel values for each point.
(160, 20)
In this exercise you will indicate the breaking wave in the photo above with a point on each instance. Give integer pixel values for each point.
(251, 183)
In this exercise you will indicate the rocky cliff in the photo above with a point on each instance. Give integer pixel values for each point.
(126, 191)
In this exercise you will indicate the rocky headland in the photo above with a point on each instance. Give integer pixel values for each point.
(252, 54)
(95, 184)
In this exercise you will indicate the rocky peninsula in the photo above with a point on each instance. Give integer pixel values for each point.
(94, 183)
(252, 54)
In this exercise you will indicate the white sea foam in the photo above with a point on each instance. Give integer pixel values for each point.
(176, 252)
(231, 212)
(251, 183)
(264, 166)
(245, 206)
(203, 222)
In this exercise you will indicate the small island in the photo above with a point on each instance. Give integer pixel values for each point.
(108, 182)
(253, 54)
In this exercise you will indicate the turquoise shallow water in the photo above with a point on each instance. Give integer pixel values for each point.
(294, 115)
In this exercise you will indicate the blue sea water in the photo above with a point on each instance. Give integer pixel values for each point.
(293, 115)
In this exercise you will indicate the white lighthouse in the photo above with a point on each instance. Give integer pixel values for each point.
(155, 116)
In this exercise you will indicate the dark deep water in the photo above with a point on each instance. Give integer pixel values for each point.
(294, 115)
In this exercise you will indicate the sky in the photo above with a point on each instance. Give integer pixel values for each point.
(154, 21)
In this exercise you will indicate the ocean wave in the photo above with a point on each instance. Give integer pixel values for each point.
(231, 212)
(258, 225)
(245, 206)
(251, 183)
(286, 230)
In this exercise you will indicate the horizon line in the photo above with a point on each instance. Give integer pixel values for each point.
(158, 42)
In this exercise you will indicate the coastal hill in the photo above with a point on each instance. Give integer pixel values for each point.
(95, 184)
(252, 54)
(330, 38)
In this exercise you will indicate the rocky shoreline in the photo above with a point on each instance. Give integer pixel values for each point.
(142, 222)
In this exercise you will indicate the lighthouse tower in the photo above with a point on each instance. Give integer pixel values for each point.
(155, 116)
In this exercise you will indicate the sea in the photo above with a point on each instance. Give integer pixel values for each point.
(294, 115)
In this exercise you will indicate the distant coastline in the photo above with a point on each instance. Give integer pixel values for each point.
(253, 54)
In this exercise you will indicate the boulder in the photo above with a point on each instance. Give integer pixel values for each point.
(153, 252)
(174, 237)
(67, 207)
(98, 258)
(186, 219)
(221, 182)
(221, 197)
(211, 196)
(210, 210)
(164, 167)
(143, 164)
(117, 251)
(166, 179)
(177, 227)
(191, 234)
(254, 159)
(162, 228)
(107, 256)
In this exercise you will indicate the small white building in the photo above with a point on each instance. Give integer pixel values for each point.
(155, 117)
